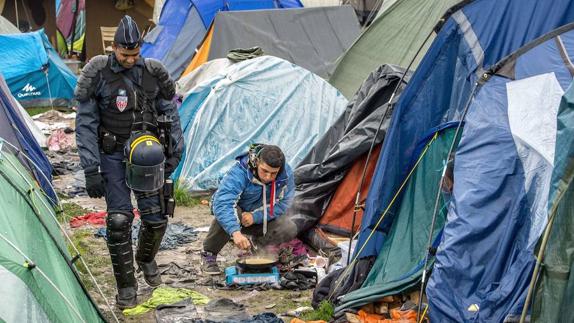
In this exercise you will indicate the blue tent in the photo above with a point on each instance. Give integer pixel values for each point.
(184, 23)
(260, 100)
(13, 130)
(34, 72)
(485, 214)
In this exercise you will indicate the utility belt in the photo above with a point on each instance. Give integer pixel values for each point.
(110, 143)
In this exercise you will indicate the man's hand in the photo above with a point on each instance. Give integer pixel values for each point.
(241, 241)
(94, 184)
(246, 219)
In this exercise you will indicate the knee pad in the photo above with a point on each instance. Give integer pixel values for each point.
(119, 226)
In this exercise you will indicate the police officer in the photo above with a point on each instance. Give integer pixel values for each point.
(121, 95)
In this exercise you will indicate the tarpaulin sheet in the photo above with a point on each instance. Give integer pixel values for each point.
(261, 100)
(348, 139)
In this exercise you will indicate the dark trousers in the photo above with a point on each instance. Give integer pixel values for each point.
(118, 198)
(278, 231)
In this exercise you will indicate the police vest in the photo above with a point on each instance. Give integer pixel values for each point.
(129, 109)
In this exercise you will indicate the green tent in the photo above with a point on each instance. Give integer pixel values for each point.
(399, 265)
(393, 38)
(37, 282)
(554, 298)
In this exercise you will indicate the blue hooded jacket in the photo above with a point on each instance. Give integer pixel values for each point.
(239, 187)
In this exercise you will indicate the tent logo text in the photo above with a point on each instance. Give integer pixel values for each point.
(29, 90)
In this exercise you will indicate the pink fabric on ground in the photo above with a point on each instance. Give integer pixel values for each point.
(94, 218)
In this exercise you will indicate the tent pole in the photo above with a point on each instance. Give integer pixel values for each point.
(17, 18)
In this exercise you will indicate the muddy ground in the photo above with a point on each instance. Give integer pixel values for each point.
(95, 253)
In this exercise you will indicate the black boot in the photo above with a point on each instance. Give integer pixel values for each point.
(119, 236)
(149, 240)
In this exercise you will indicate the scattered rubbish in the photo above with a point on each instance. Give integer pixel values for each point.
(94, 218)
(166, 295)
(183, 311)
(298, 311)
(225, 310)
(177, 234)
(179, 276)
(247, 296)
(270, 306)
(297, 281)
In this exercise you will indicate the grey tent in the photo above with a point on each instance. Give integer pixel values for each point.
(312, 38)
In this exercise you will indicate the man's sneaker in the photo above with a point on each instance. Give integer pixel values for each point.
(209, 263)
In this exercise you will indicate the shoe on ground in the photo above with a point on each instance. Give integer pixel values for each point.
(126, 298)
(209, 263)
(151, 273)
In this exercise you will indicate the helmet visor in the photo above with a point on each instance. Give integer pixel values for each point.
(145, 178)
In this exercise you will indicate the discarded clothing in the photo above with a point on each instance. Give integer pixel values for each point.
(167, 295)
(397, 316)
(335, 284)
(295, 246)
(241, 54)
(180, 312)
(259, 318)
(296, 320)
(60, 141)
(251, 287)
(64, 162)
(179, 276)
(297, 281)
(177, 234)
(94, 218)
(225, 310)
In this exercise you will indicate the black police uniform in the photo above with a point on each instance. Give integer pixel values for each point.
(113, 101)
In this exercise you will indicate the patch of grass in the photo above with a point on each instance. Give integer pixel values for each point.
(34, 111)
(286, 305)
(82, 240)
(184, 198)
(70, 210)
(324, 312)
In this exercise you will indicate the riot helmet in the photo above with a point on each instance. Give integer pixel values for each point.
(144, 162)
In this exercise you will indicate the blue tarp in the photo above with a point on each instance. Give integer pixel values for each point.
(34, 72)
(14, 130)
(261, 100)
(184, 23)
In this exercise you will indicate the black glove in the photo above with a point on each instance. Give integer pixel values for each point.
(170, 166)
(94, 184)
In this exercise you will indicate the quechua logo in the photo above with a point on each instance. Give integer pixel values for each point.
(27, 91)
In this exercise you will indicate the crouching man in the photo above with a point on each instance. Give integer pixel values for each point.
(251, 200)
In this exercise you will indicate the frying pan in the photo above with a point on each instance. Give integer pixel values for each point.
(242, 263)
